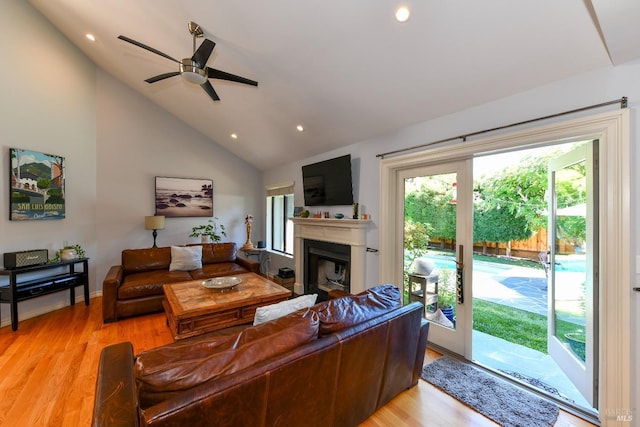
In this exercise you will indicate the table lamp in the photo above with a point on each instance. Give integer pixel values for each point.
(154, 223)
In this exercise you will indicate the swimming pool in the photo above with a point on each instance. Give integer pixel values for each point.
(443, 262)
(570, 263)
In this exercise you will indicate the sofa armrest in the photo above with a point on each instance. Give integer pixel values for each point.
(116, 404)
(422, 348)
(110, 285)
(249, 264)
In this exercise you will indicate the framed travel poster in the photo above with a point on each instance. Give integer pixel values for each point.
(184, 197)
(37, 185)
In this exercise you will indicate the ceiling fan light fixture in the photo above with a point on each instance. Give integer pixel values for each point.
(192, 73)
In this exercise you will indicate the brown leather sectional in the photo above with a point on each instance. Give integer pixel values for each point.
(135, 286)
(333, 364)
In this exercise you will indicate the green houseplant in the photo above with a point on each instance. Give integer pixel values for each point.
(211, 232)
(69, 252)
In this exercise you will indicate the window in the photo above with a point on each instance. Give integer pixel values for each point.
(279, 226)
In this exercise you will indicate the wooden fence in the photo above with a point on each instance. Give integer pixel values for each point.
(528, 249)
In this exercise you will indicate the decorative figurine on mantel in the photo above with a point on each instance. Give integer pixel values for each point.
(248, 245)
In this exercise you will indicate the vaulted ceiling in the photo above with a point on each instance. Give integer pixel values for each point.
(345, 70)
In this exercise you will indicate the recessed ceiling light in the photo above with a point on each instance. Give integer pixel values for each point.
(402, 14)
(91, 37)
(234, 136)
(300, 128)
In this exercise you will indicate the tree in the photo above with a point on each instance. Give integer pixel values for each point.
(498, 225)
(44, 183)
(416, 238)
(431, 201)
(510, 205)
(571, 191)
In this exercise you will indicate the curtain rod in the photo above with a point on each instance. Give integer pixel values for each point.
(622, 101)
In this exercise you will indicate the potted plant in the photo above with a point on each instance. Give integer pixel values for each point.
(211, 232)
(69, 253)
(446, 294)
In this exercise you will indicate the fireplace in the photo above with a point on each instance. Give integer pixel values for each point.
(327, 267)
(337, 255)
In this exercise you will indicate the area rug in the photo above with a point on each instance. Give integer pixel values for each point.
(494, 398)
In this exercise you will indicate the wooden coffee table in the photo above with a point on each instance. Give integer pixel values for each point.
(193, 309)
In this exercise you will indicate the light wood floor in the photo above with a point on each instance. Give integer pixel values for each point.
(48, 371)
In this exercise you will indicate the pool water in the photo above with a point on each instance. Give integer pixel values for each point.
(443, 263)
(566, 263)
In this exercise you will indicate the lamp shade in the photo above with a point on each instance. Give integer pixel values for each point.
(154, 222)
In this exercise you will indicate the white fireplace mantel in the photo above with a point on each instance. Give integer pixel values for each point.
(352, 232)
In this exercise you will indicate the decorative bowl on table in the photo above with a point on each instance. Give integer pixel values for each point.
(222, 283)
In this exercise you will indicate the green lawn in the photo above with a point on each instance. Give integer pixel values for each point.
(510, 324)
(517, 326)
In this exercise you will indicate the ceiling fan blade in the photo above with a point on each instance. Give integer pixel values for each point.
(149, 48)
(217, 74)
(201, 56)
(210, 90)
(162, 77)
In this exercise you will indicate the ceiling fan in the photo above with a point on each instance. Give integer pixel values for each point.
(194, 69)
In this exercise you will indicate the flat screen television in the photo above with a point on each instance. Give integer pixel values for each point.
(328, 183)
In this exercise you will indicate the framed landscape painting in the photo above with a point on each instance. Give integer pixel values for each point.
(184, 197)
(37, 185)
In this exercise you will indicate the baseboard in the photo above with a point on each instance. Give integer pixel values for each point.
(24, 315)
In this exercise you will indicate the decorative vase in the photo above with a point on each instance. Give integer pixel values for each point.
(205, 239)
(68, 254)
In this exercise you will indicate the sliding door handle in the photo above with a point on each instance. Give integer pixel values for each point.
(460, 275)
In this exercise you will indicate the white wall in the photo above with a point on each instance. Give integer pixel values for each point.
(583, 90)
(138, 141)
(114, 142)
(47, 104)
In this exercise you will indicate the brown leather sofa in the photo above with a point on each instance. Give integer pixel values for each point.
(333, 364)
(135, 286)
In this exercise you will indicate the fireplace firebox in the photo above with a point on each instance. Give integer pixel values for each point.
(345, 232)
(327, 267)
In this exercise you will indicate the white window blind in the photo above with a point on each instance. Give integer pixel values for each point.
(280, 189)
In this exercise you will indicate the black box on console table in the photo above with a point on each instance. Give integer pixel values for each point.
(286, 272)
(26, 258)
(285, 282)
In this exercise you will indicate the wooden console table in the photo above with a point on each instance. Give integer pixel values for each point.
(16, 291)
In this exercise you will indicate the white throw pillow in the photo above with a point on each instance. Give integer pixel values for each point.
(185, 258)
(273, 311)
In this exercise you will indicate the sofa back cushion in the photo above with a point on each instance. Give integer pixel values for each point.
(163, 372)
(140, 260)
(185, 258)
(341, 313)
(218, 252)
